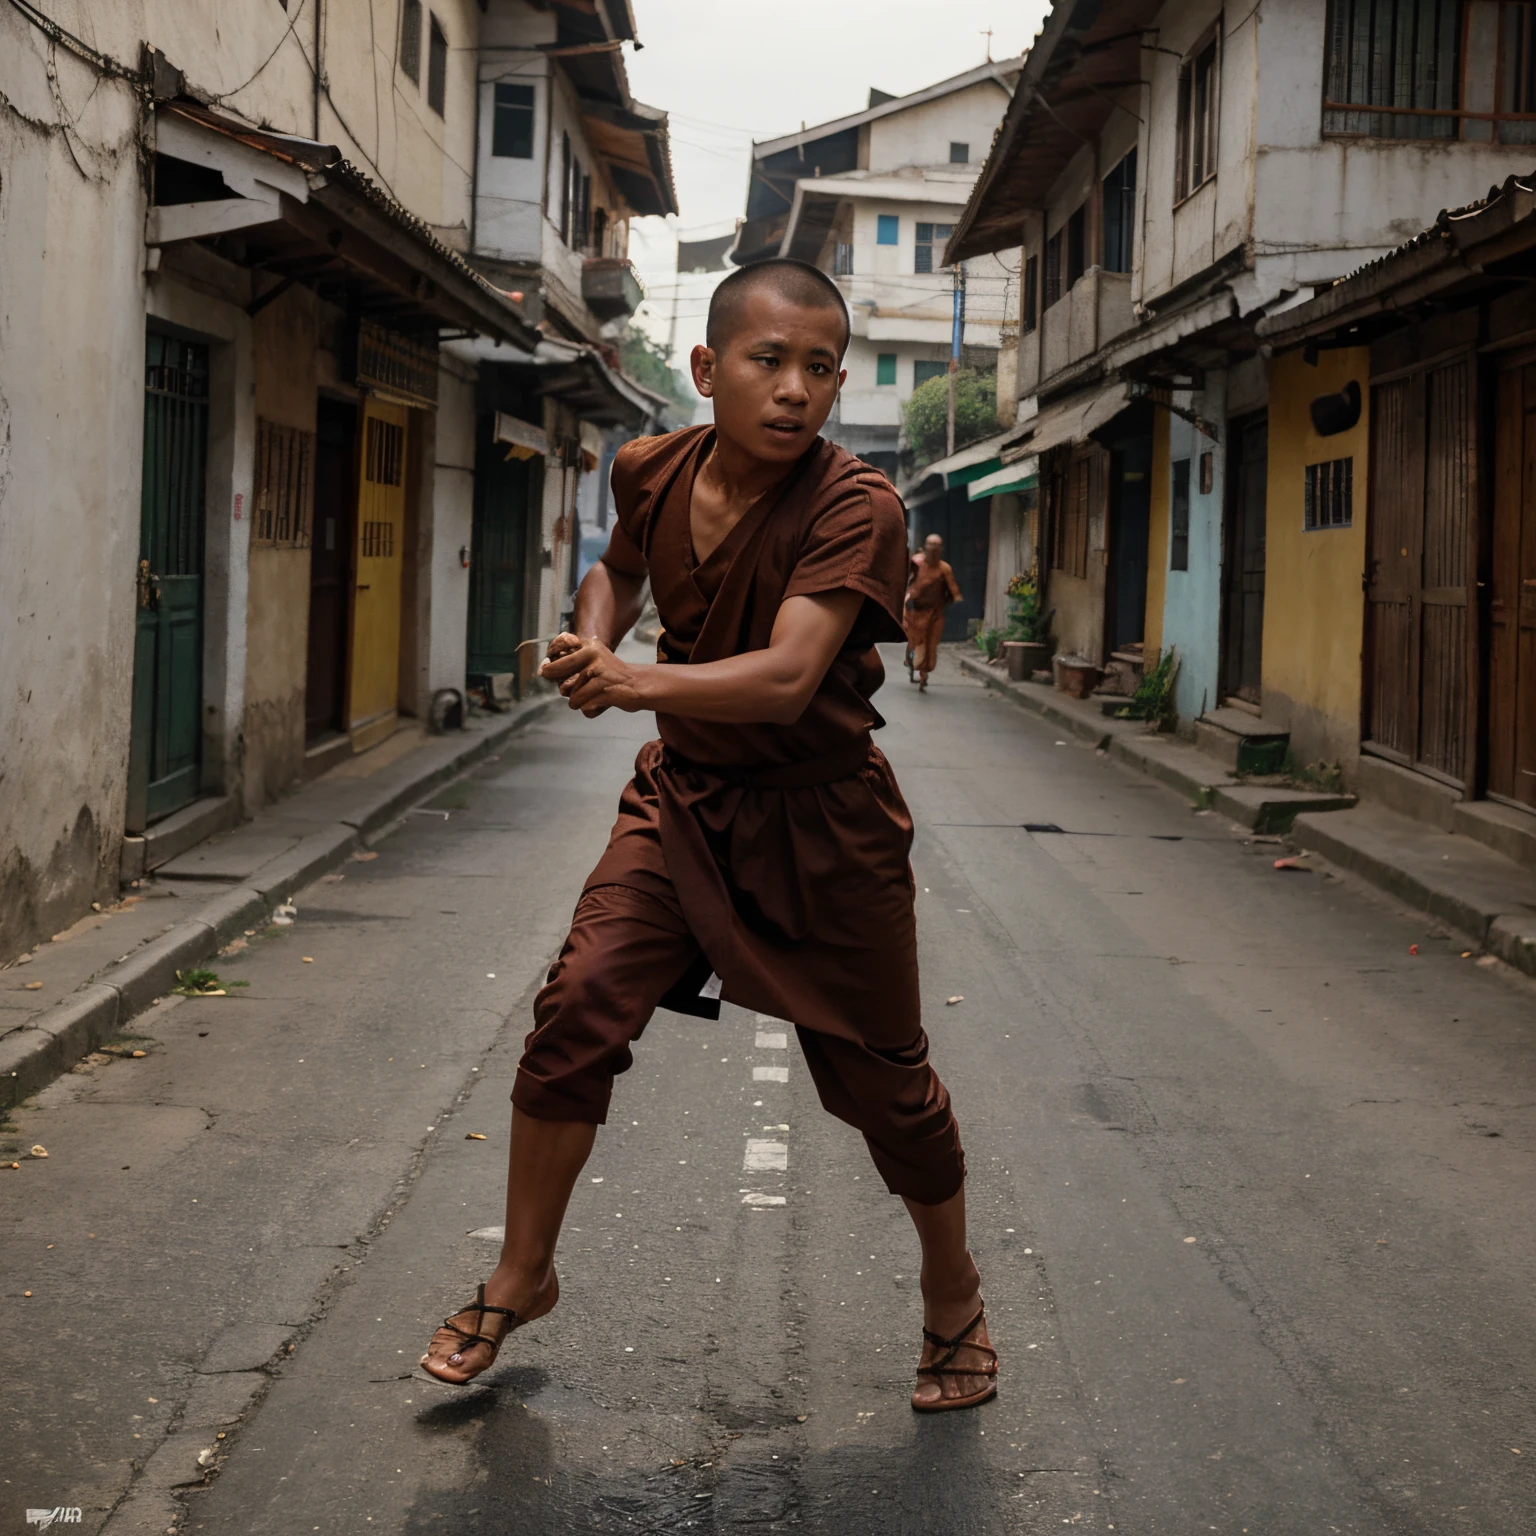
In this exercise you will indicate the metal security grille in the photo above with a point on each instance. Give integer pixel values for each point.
(1330, 497)
(1392, 67)
(396, 364)
(383, 453)
(285, 459)
(379, 540)
(175, 455)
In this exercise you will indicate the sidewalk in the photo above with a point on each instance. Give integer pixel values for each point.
(74, 994)
(1457, 880)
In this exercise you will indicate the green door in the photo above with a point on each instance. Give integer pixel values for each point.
(168, 643)
(498, 566)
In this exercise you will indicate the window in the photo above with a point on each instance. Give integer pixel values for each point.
(1120, 215)
(1077, 242)
(1196, 145)
(923, 370)
(410, 39)
(1330, 495)
(842, 259)
(284, 460)
(1031, 295)
(1053, 269)
(1383, 55)
(886, 225)
(437, 66)
(1069, 552)
(565, 188)
(1517, 71)
(885, 368)
(929, 236)
(1178, 518)
(383, 452)
(959, 154)
(512, 123)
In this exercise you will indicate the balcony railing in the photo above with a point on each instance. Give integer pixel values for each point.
(1095, 310)
(610, 287)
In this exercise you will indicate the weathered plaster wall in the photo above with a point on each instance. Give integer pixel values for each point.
(1010, 552)
(1192, 598)
(1314, 612)
(1157, 540)
(277, 635)
(71, 424)
(922, 135)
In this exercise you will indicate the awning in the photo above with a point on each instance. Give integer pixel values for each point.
(963, 465)
(1069, 421)
(1023, 476)
(303, 214)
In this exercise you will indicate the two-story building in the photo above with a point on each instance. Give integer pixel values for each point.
(565, 158)
(1179, 172)
(243, 405)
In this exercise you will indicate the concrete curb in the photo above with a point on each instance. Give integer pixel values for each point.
(50, 1042)
(1100, 733)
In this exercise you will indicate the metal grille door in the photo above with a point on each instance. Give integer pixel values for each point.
(377, 561)
(168, 644)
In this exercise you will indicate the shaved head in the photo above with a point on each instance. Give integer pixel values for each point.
(797, 282)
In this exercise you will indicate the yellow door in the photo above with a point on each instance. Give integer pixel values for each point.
(375, 683)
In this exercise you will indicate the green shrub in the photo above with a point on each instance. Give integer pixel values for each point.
(927, 413)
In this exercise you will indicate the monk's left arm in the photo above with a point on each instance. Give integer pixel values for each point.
(770, 686)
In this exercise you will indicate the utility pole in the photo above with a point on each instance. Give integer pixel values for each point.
(957, 332)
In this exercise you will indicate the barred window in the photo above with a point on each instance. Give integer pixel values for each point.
(378, 539)
(929, 236)
(437, 66)
(1069, 551)
(284, 488)
(1330, 495)
(384, 452)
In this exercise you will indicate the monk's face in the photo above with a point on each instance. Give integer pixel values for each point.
(933, 547)
(775, 380)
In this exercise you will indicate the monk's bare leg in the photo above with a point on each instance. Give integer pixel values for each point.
(951, 1292)
(543, 1163)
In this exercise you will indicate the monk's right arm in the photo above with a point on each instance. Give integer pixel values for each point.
(608, 604)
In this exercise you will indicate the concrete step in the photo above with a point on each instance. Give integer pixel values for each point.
(1241, 742)
(168, 839)
(1503, 828)
(1272, 808)
(1489, 898)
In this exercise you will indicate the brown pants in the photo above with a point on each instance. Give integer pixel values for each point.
(626, 949)
(925, 628)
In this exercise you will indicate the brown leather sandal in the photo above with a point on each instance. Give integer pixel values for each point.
(944, 1366)
(467, 1339)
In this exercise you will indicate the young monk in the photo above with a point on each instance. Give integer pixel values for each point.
(931, 587)
(760, 852)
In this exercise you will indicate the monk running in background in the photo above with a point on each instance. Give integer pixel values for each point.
(761, 851)
(931, 587)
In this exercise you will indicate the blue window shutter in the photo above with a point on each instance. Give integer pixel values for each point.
(885, 368)
(886, 231)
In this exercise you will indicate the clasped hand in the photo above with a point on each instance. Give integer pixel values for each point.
(591, 678)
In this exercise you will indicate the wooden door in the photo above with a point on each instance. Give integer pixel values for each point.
(1418, 570)
(330, 567)
(505, 492)
(165, 748)
(1512, 583)
(1243, 619)
(378, 553)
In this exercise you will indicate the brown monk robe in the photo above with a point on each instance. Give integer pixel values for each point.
(931, 587)
(761, 849)
(774, 857)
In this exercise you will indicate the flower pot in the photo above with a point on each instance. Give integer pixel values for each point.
(1025, 657)
(1076, 676)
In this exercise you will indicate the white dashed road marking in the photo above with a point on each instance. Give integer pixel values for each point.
(754, 1199)
(766, 1156)
(770, 1074)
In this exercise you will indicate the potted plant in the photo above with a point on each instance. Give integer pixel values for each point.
(1025, 641)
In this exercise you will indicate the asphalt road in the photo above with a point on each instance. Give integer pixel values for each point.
(1250, 1191)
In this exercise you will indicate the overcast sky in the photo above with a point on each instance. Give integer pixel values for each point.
(731, 71)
